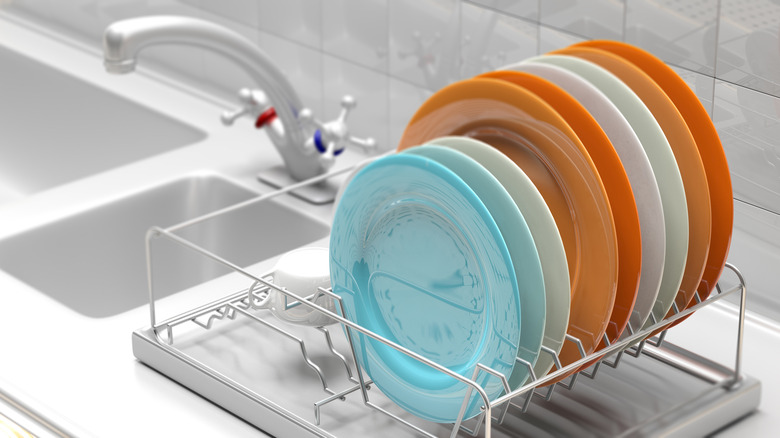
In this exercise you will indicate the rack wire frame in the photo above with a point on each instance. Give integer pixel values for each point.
(243, 302)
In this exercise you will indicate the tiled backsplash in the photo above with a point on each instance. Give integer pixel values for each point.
(392, 54)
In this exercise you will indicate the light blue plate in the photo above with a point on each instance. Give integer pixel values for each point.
(519, 241)
(418, 259)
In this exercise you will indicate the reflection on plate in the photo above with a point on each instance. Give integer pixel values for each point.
(612, 173)
(528, 131)
(708, 142)
(418, 259)
(638, 170)
(514, 220)
(662, 160)
(685, 152)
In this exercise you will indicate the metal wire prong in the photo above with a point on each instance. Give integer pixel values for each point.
(578, 343)
(637, 350)
(616, 362)
(592, 375)
(218, 314)
(630, 328)
(336, 354)
(290, 336)
(571, 383)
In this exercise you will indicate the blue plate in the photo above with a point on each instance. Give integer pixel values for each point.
(417, 258)
(519, 241)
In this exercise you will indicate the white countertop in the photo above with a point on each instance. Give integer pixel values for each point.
(81, 372)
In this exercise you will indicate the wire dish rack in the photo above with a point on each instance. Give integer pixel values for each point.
(301, 381)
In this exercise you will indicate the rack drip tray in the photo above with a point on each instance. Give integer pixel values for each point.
(283, 379)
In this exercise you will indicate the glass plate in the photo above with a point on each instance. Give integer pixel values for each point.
(519, 241)
(548, 242)
(418, 259)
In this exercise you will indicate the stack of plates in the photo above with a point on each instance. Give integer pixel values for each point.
(582, 193)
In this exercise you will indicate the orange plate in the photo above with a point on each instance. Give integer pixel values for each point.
(616, 183)
(707, 140)
(531, 133)
(685, 152)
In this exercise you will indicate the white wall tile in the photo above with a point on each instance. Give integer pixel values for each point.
(683, 33)
(36, 10)
(222, 77)
(528, 9)
(369, 88)
(86, 20)
(749, 45)
(246, 12)
(494, 40)
(553, 39)
(296, 20)
(404, 99)
(755, 250)
(425, 44)
(357, 30)
(589, 19)
(302, 66)
(748, 123)
(702, 85)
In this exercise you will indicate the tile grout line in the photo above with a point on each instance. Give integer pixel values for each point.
(715, 60)
(625, 16)
(539, 28)
(503, 12)
(760, 207)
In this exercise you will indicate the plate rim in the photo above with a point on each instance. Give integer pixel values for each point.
(662, 161)
(364, 346)
(529, 304)
(638, 170)
(619, 194)
(711, 149)
(484, 89)
(686, 154)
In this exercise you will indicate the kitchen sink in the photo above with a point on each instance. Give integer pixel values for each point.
(94, 261)
(56, 128)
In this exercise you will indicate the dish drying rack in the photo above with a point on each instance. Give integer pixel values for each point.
(302, 381)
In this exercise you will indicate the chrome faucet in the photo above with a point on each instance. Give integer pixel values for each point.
(275, 106)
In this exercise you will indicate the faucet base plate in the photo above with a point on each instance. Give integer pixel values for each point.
(317, 194)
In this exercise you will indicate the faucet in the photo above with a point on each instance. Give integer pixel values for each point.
(275, 106)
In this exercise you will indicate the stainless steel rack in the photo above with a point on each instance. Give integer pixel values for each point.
(301, 381)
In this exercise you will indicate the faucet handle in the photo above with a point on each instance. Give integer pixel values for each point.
(254, 103)
(331, 138)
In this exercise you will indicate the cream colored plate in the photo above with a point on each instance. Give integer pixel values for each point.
(544, 231)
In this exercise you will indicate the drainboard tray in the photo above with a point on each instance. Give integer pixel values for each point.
(271, 387)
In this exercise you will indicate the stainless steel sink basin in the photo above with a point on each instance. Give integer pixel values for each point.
(56, 128)
(94, 261)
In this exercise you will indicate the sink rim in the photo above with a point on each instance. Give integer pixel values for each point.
(93, 260)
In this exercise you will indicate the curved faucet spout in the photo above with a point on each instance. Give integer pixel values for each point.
(124, 39)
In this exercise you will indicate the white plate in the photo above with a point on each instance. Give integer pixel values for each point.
(662, 161)
(545, 233)
(639, 171)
